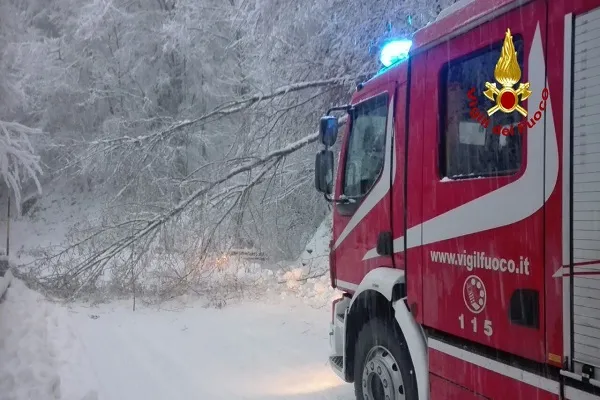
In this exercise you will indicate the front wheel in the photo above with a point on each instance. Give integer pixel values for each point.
(383, 369)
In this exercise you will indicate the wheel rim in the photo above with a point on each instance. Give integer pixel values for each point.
(381, 378)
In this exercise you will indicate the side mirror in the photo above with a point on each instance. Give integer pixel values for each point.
(328, 130)
(324, 171)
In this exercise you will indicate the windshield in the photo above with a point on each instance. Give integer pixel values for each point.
(366, 147)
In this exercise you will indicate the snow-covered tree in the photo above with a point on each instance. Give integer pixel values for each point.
(193, 118)
(19, 163)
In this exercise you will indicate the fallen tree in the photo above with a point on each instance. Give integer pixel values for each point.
(80, 264)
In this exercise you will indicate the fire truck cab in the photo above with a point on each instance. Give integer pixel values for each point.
(466, 209)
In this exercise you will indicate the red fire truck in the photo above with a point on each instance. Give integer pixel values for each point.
(466, 218)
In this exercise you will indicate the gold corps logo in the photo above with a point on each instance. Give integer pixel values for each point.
(507, 99)
(507, 73)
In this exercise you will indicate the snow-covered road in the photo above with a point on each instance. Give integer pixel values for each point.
(246, 351)
(261, 350)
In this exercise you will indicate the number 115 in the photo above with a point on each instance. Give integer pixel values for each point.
(487, 325)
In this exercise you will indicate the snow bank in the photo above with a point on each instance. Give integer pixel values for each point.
(39, 353)
(307, 277)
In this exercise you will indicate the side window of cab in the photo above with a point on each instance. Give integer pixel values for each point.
(366, 146)
(470, 147)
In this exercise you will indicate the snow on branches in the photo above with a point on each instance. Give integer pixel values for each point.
(18, 161)
(189, 119)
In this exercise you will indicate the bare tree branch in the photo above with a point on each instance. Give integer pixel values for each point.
(227, 109)
(100, 259)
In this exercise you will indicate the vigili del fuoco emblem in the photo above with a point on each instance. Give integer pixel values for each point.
(507, 73)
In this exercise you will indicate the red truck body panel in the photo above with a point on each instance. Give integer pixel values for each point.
(470, 244)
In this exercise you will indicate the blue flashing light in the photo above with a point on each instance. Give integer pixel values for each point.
(394, 51)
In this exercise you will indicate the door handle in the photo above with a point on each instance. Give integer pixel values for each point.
(385, 244)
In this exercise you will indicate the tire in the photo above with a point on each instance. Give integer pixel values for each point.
(382, 364)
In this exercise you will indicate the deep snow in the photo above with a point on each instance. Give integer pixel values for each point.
(272, 347)
(40, 356)
(246, 351)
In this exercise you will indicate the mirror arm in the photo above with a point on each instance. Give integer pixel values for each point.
(346, 200)
(346, 108)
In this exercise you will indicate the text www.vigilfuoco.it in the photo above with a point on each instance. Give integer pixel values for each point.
(478, 260)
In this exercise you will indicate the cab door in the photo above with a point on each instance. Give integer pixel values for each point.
(483, 184)
(364, 178)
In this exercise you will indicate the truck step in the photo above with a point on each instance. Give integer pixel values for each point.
(337, 362)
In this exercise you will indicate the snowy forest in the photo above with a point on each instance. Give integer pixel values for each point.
(189, 124)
